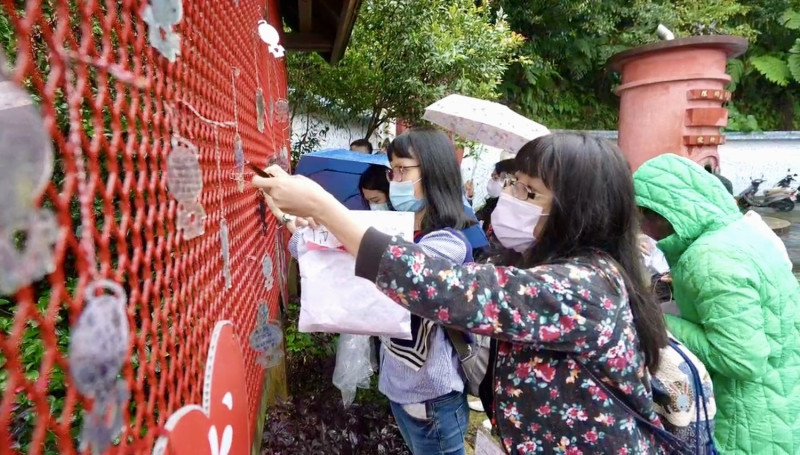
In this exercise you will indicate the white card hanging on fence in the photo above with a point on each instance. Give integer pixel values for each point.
(27, 157)
(333, 299)
(98, 349)
(185, 183)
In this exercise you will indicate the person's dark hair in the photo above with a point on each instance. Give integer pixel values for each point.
(441, 177)
(593, 209)
(374, 178)
(726, 183)
(485, 213)
(506, 166)
(362, 143)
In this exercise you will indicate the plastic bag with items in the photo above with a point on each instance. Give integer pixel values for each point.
(353, 365)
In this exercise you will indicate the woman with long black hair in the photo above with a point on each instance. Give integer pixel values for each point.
(576, 325)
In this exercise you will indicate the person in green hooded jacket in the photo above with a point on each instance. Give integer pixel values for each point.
(739, 304)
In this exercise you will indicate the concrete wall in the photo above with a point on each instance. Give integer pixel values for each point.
(743, 157)
(337, 136)
(747, 156)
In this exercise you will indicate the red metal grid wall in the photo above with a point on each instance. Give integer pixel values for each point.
(110, 101)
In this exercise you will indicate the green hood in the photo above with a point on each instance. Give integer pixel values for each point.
(689, 197)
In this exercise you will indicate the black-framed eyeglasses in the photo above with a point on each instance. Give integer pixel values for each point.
(521, 191)
(399, 170)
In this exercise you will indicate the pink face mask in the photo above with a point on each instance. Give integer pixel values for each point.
(513, 222)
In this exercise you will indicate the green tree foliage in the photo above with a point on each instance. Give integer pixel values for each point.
(404, 55)
(564, 82)
(767, 78)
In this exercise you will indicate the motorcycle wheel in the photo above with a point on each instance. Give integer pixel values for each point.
(785, 205)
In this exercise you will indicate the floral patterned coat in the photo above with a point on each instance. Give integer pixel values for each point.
(553, 322)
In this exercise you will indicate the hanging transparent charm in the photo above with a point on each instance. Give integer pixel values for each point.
(267, 338)
(267, 270)
(160, 16)
(271, 111)
(97, 352)
(260, 110)
(27, 233)
(226, 255)
(282, 110)
(262, 216)
(283, 271)
(185, 183)
(238, 161)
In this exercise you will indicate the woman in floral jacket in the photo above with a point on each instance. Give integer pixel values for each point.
(577, 307)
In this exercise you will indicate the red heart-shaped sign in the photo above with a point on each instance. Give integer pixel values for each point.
(220, 426)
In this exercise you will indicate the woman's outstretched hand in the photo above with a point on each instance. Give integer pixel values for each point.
(299, 196)
(295, 195)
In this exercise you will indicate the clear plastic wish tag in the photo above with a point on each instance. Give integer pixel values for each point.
(97, 352)
(266, 270)
(226, 255)
(267, 338)
(185, 183)
(282, 110)
(238, 160)
(260, 110)
(26, 154)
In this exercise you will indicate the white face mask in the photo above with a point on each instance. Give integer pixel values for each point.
(494, 188)
(379, 206)
(513, 222)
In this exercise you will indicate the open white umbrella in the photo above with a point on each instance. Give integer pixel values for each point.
(484, 121)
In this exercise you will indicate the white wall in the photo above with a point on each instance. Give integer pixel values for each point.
(743, 157)
(768, 155)
(337, 137)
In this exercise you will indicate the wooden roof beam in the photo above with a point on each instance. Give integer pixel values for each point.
(304, 11)
(307, 42)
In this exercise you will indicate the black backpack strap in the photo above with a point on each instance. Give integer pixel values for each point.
(459, 342)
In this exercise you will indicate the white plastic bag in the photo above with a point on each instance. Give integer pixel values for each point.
(353, 366)
(333, 299)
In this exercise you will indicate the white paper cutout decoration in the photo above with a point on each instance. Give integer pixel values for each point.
(185, 183)
(226, 254)
(260, 110)
(267, 270)
(160, 16)
(26, 155)
(270, 36)
(97, 351)
(267, 338)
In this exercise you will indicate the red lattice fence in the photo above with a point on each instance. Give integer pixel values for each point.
(111, 104)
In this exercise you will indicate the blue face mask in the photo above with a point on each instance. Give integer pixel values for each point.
(402, 196)
(379, 206)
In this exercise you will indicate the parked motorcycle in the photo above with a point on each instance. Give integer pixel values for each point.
(779, 198)
(786, 182)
